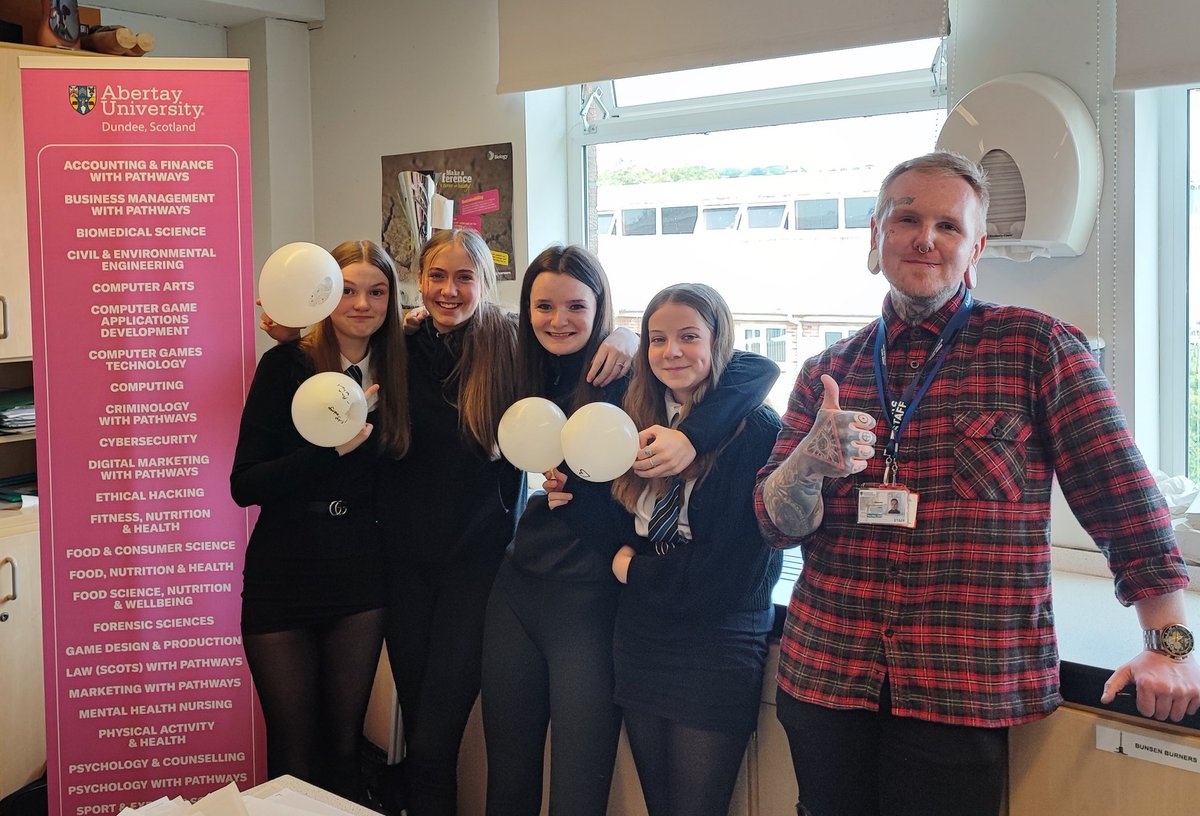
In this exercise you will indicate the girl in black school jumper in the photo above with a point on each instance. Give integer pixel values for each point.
(313, 601)
(693, 618)
(448, 510)
(548, 637)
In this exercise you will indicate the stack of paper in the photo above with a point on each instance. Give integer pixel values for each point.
(16, 410)
(229, 801)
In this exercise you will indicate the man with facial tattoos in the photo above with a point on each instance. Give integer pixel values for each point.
(915, 639)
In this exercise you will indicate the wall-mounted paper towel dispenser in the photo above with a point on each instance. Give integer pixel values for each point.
(1039, 145)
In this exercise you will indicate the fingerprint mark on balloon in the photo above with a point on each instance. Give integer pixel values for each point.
(321, 293)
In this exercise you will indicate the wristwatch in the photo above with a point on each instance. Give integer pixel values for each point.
(1174, 640)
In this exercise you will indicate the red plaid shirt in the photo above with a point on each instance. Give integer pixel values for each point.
(957, 612)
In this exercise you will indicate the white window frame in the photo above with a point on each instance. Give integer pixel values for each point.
(901, 92)
(1172, 163)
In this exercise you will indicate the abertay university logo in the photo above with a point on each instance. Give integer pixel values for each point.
(83, 98)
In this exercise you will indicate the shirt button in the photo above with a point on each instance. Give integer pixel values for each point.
(888, 632)
(913, 364)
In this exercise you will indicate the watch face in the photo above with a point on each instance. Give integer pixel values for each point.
(1177, 640)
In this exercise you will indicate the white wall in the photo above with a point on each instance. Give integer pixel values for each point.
(391, 78)
(172, 38)
(1073, 41)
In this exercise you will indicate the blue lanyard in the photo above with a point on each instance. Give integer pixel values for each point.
(900, 411)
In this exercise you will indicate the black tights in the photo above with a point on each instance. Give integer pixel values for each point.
(314, 684)
(684, 770)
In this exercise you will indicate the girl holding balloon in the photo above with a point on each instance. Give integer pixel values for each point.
(549, 630)
(695, 613)
(448, 509)
(313, 600)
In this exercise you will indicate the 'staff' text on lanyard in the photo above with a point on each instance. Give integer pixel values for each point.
(901, 411)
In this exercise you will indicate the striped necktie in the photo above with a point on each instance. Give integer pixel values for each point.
(663, 529)
(355, 372)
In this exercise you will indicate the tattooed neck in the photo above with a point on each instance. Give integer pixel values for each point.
(914, 311)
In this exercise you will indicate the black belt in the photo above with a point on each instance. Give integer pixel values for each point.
(337, 507)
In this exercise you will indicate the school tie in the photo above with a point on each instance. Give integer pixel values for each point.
(663, 529)
(355, 372)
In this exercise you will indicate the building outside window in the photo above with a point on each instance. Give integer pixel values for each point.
(763, 190)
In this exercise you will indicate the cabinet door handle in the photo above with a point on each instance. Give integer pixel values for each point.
(13, 563)
(4, 328)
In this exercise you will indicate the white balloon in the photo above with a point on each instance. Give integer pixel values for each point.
(530, 434)
(300, 284)
(329, 409)
(599, 442)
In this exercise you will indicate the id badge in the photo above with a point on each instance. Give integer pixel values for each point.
(891, 504)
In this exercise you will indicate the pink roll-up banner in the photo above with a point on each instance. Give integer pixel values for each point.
(141, 275)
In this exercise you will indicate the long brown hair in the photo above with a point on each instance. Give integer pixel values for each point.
(645, 401)
(389, 358)
(486, 380)
(533, 360)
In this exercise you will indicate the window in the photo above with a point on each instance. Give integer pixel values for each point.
(638, 222)
(605, 222)
(763, 191)
(752, 341)
(1192, 261)
(859, 211)
(679, 220)
(817, 214)
(767, 216)
(720, 218)
(777, 345)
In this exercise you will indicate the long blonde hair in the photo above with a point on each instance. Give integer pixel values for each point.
(389, 357)
(485, 369)
(645, 401)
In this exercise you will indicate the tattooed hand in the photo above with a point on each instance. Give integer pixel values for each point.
(839, 444)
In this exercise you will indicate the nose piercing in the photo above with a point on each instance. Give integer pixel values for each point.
(923, 248)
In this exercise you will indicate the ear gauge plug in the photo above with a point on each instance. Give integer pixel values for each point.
(873, 261)
(971, 277)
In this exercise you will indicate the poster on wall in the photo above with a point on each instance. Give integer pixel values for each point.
(468, 188)
(141, 275)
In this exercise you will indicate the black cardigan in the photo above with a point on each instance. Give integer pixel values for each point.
(447, 499)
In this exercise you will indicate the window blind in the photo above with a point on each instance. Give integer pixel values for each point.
(1156, 44)
(553, 43)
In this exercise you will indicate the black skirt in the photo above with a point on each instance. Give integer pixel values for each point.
(706, 675)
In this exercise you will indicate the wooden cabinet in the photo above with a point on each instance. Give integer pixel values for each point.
(22, 707)
(1055, 768)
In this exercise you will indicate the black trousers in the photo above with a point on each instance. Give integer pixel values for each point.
(435, 639)
(548, 660)
(872, 763)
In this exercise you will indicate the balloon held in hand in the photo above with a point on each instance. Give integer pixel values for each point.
(300, 284)
(530, 434)
(599, 442)
(329, 409)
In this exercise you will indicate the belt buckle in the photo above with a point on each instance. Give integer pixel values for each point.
(338, 507)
